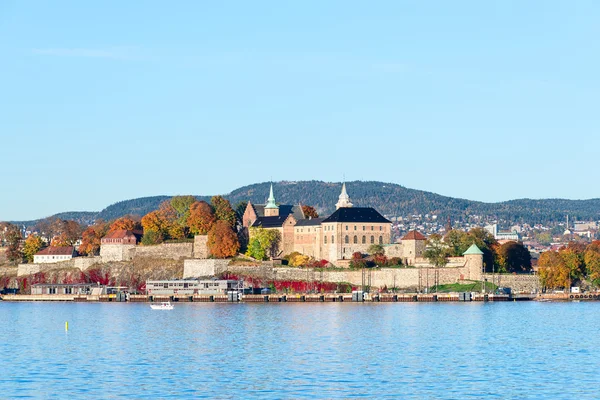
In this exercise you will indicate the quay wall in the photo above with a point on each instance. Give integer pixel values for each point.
(518, 283)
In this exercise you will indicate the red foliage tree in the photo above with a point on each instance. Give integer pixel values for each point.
(222, 240)
(310, 212)
(202, 218)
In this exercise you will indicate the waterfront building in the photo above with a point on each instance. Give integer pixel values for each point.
(191, 286)
(66, 288)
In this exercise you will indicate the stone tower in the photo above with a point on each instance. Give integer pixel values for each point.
(344, 199)
(271, 208)
(474, 262)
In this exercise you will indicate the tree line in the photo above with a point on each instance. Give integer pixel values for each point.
(573, 264)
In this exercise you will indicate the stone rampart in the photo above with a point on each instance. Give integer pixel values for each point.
(200, 246)
(173, 251)
(195, 268)
(81, 263)
(518, 283)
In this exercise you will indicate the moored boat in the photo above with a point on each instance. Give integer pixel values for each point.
(165, 305)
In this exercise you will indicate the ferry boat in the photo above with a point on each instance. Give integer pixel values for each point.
(165, 305)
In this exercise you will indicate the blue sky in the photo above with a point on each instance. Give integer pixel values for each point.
(106, 101)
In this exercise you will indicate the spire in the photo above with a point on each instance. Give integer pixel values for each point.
(271, 201)
(344, 199)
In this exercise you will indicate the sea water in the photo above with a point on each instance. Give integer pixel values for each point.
(324, 350)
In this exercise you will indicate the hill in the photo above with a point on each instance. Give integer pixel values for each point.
(390, 199)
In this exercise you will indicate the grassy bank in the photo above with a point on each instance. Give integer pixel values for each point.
(467, 286)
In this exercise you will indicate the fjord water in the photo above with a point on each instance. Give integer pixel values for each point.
(329, 350)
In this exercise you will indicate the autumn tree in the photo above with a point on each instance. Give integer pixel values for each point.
(33, 244)
(222, 240)
(591, 258)
(223, 210)
(12, 237)
(65, 232)
(552, 270)
(310, 212)
(513, 257)
(127, 223)
(91, 238)
(375, 249)
(201, 218)
(264, 243)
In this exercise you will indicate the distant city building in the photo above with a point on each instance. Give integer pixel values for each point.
(502, 235)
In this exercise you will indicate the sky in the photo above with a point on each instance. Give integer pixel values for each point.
(113, 100)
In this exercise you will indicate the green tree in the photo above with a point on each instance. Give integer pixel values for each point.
(591, 259)
(223, 210)
(268, 239)
(375, 249)
(436, 251)
(181, 205)
(33, 244)
(12, 236)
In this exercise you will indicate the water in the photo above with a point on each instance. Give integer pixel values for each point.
(329, 350)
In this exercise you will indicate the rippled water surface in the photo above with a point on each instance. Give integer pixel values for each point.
(329, 350)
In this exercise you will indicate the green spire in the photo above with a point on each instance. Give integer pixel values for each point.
(271, 200)
(472, 250)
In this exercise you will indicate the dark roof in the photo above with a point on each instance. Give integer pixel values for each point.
(356, 214)
(284, 209)
(56, 251)
(310, 222)
(414, 235)
(270, 222)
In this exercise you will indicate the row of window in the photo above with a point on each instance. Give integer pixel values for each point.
(364, 228)
(354, 240)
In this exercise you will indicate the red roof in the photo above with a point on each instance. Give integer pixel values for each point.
(120, 234)
(56, 251)
(414, 235)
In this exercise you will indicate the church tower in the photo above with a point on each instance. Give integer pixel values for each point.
(344, 199)
(271, 208)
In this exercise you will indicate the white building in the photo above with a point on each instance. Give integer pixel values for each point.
(54, 254)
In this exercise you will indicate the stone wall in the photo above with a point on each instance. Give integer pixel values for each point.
(116, 252)
(518, 283)
(200, 246)
(195, 268)
(81, 263)
(173, 251)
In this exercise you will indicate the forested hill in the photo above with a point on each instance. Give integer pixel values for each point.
(389, 198)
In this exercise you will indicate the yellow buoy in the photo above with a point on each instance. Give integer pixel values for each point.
(66, 326)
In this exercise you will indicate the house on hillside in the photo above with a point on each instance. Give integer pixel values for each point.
(53, 254)
(116, 245)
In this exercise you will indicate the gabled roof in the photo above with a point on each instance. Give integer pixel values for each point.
(356, 214)
(414, 235)
(310, 222)
(284, 209)
(56, 251)
(472, 250)
(270, 222)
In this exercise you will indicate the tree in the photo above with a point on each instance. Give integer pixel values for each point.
(12, 236)
(591, 259)
(486, 242)
(181, 205)
(436, 251)
(240, 209)
(151, 238)
(126, 223)
(264, 243)
(201, 218)
(458, 242)
(513, 257)
(375, 249)
(358, 261)
(91, 238)
(296, 259)
(66, 233)
(573, 260)
(553, 271)
(310, 212)
(223, 210)
(222, 240)
(33, 244)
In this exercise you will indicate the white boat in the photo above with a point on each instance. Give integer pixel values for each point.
(165, 305)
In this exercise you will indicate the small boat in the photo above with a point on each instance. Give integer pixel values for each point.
(165, 305)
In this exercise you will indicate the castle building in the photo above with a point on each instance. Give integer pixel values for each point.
(348, 230)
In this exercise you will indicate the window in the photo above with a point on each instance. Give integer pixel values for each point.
(372, 239)
(364, 227)
(355, 239)
(325, 239)
(346, 227)
(380, 239)
(332, 239)
(354, 227)
(364, 240)
(346, 239)
(380, 228)
(372, 228)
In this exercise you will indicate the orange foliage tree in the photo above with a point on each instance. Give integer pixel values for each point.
(223, 210)
(201, 219)
(222, 240)
(310, 212)
(126, 223)
(90, 239)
